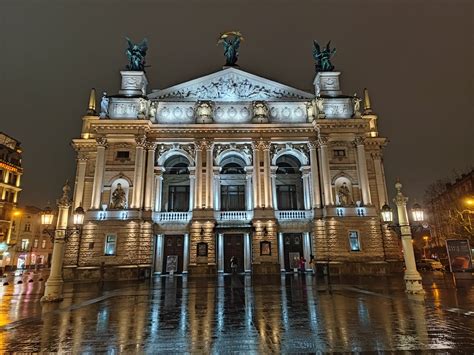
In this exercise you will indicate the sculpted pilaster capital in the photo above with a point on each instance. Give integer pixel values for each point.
(263, 144)
(141, 141)
(151, 145)
(81, 157)
(312, 145)
(376, 155)
(359, 140)
(101, 141)
(203, 144)
(322, 141)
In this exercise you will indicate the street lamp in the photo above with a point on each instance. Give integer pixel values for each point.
(54, 286)
(404, 230)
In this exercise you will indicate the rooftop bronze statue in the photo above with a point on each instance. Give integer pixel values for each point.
(136, 55)
(231, 43)
(322, 57)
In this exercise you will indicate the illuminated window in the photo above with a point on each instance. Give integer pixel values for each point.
(24, 244)
(354, 241)
(35, 243)
(110, 244)
(43, 244)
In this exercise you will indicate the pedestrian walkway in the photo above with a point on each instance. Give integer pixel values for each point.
(239, 313)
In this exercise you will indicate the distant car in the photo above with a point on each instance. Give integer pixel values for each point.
(429, 265)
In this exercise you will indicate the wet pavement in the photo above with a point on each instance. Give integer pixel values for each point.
(239, 314)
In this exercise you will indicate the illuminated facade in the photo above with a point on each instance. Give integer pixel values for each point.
(229, 164)
(10, 177)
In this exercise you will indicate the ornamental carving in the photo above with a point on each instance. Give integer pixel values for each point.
(231, 87)
(302, 148)
(359, 141)
(260, 112)
(244, 149)
(101, 141)
(203, 111)
(322, 141)
(141, 141)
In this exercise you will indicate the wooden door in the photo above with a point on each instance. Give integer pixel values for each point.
(173, 246)
(292, 244)
(233, 246)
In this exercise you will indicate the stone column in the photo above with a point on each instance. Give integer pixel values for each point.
(247, 253)
(159, 252)
(54, 285)
(198, 180)
(192, 188)
(326, 175)
(412, 276)
(281, 252)
(217, 189)
(380, 178)
(266, 175)
(209, 175)
(80, 177)
(307, 249)
(274, 187)
(362, 168)
(220, 252)
(99, 173)
(316, 191)
(256, 176)
(186, 253)
(249, 189)
(158, 187)
(138, 173)
(305, 171)
(150, 172)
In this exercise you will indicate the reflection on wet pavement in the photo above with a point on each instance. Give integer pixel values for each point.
(289, 313)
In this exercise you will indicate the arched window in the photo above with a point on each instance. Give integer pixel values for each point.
(176, 182)
(289, 191)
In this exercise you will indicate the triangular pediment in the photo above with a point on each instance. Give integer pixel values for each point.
(230, 84)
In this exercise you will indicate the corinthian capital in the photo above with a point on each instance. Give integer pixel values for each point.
(312, 144)
(359, 140)
(263, 144)
(101, 141)
(150, 145)
(322, 140)
(141, 141)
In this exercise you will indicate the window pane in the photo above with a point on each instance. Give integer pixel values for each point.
(233, 197)
(354, 241)
(178, 198)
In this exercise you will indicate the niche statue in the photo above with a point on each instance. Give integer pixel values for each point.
(343, 195)
(118, 197)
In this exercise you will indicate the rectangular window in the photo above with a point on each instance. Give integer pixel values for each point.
(354, 241)
(123, 154)
(27, 227)
(233, 198)
(110, 244)
(339, 153)
(178, 198)
(286, 197)
(43, 244)
(35, 243)
(24, 244)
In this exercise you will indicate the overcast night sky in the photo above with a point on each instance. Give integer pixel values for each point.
(415, 57)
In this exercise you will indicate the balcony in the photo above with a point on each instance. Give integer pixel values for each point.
(172, 217)
(233, 216)
(294, 215)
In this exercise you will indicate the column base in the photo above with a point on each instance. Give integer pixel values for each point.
(53, 291)
(413, 284)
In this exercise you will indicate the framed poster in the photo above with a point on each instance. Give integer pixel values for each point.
(202, 249)
(172, 263)
(459, 255)
(265, 248)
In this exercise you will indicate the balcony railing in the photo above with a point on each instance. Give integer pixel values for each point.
(294, 215)
(178, 217)
(237, 216)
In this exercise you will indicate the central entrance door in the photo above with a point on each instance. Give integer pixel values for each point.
(173, 247)
(293, 248)
(233, 246)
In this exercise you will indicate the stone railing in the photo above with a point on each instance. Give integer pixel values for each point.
(172, 217)
(238, 216)
(294, 215)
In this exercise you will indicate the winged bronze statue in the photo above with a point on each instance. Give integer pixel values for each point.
(323, 57)
(231, 43)
(136, 54)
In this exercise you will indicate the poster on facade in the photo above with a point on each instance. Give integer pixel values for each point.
(459, 255)
(172, 263)
(294, 260)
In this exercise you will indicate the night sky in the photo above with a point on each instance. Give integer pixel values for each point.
(415, 57)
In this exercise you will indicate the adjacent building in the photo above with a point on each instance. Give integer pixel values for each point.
(230, 164)
(30, 246)
(10, 178)
(450, 210)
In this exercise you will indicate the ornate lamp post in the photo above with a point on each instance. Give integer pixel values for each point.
(404, 230)
(59, 235)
